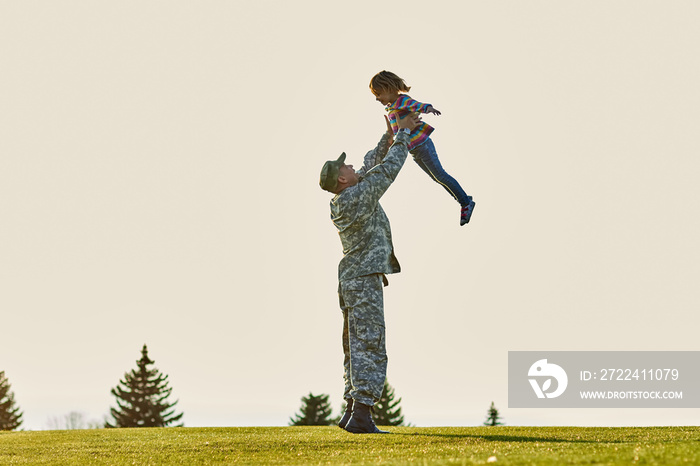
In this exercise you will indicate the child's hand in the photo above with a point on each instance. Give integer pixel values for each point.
(433, 110)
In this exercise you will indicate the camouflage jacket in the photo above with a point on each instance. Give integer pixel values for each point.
(361, 222)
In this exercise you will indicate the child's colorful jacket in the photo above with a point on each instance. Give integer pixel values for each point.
(404, 106)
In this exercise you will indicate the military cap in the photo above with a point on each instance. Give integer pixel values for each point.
(329, 173)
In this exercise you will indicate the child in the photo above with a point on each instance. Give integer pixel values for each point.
(387, 88)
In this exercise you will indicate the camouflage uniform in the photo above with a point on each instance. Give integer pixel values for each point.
(368, 254)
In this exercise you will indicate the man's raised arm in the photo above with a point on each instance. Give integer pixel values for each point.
(376, 155)
(378, 179)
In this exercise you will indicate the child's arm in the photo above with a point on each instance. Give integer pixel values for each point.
(404, 102)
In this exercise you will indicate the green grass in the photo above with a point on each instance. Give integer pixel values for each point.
(330, 445)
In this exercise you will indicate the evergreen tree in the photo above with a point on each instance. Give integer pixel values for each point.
(493, 418)
(10, 417)
(315, 411)
(387, 412)
(142, 398)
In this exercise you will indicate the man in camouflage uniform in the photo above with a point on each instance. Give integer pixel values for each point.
(368, 254)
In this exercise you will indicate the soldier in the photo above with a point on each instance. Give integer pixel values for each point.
(368, 254)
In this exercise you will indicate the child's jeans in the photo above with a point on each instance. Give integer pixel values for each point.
(426, 157)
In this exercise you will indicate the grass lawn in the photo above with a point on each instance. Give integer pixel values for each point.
(331, 445)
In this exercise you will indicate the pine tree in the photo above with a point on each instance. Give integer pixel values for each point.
(10, 417)
(142, 398)
(387, 412)
(493, 418)
(315, 411)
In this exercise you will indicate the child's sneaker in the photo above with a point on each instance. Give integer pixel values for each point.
(466, 213)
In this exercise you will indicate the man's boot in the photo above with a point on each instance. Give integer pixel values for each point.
(361, 421)
(348, 413)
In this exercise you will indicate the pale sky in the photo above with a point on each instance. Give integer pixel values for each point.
(159, 168)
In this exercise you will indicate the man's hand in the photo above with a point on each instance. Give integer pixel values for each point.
(410, 122)
(388, 126)
(432, 110)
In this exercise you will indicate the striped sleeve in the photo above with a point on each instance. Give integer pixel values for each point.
(404, 102)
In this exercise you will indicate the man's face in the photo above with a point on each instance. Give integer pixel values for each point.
(348, 174)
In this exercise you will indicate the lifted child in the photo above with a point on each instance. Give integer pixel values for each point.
(387, 88)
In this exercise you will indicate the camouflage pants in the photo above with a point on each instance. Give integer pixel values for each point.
(365, 360)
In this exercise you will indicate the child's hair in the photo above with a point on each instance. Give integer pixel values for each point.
(386, 80)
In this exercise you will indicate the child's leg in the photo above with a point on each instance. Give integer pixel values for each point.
(426, 157)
